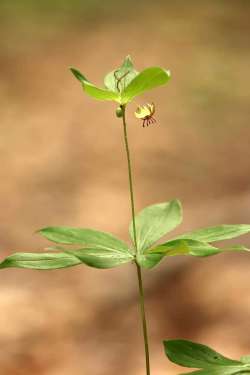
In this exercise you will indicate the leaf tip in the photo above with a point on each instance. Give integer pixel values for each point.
(78, 75)
(37, 231)
(128, 59)
(177, 202)
(41, 231)
(168, 73)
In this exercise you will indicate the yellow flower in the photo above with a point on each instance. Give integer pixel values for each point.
(145, 113)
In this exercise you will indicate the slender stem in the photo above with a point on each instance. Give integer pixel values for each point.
(143, 318)
(138, 268)
(129, 175)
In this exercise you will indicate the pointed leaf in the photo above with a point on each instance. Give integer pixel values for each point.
(102, 258)
(94, 257)
(185, 247)
(149, 260)
(154, 222)
(210, 362)
(40, 261)
(83, 236)
(190, 354)
(218, 233)
(92, 90)
(78, 75)
(118, 79)
(146, 80)
(235, 248)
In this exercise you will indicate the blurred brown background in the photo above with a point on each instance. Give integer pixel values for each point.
(63, 163)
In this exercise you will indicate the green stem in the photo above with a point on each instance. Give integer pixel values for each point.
(129, 175)
(138, 268)
(143, 318)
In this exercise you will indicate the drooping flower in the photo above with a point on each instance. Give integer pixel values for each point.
(145, 113)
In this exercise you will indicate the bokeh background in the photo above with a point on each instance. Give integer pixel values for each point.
(63, 163)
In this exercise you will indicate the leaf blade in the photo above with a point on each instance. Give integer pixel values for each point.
(40, 261)
(149, 261)
(189, 354)
(148, 79)
(217, 233)
(245, 359)
(220, 371)
(93, 257)
(102, 258)
(153, 256)
(82, 236)
(125, 73)
(94, 91)
(185, 247)
(154, 221)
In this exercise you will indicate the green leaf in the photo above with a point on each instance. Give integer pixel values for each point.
(235, 248)
(78, 75)
(101, 249)
(245, 359)
(83, 236)
(151, 257)
(185, 247)
(102, 258)
(218, 233)
(221, 371)
(124, 83)
(190, 354)
(119, 79)
(148, 79)
(93, 91)
(40, 261)
(149, 260)
(94, 257)
(154, 222)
